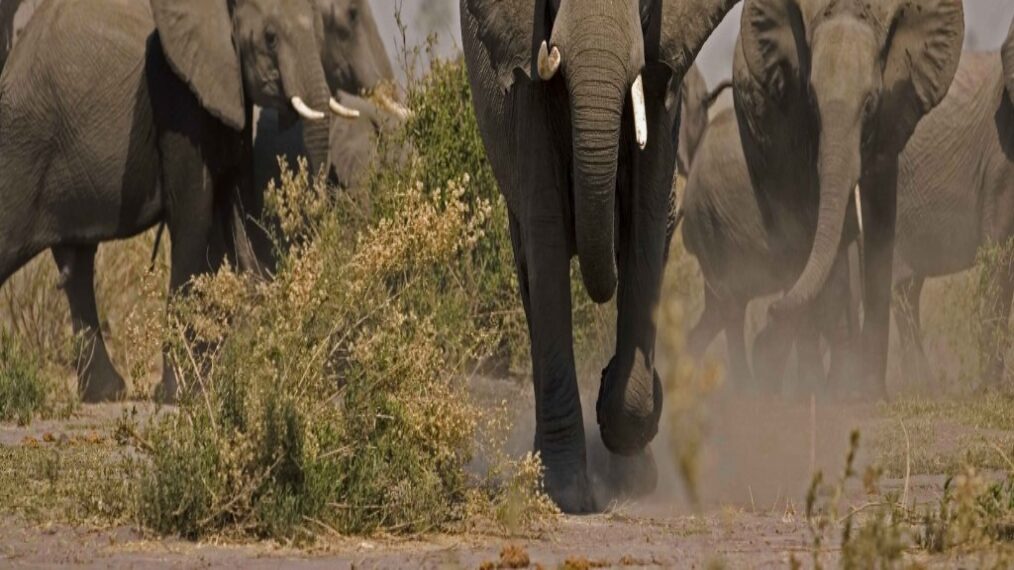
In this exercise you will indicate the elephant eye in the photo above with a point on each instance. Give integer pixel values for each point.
(353, 14)
(870, 105)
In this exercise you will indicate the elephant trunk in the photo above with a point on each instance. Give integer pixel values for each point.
(597, 86)
(838, 169)
(306, 85)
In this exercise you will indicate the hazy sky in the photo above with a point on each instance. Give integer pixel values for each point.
(987, 22)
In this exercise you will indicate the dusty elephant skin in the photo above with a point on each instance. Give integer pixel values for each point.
(152, 126)
(956, 194)
(839, 87)
(575, 108)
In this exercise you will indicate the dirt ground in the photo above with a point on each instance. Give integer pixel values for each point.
(755, 466)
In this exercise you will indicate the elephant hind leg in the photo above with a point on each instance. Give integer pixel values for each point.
(735, 340)
(709, 324)
(98, 380)
(907, 314)
(996, 336)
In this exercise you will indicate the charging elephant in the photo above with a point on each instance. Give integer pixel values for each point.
(723, 228)
(576, 110)
(117, 115)
(838, 86)
(956, 194)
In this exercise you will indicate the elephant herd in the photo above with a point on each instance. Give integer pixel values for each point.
(864, 152)
(117, 115)
(949, 169)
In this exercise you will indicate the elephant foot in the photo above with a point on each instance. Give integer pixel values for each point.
(98, 380)
(567, 484)
(167, 390)
(629, 406)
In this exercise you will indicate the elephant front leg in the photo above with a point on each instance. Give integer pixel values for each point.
(98, 380)
(191, 217)
(543, 263)
(879, 200)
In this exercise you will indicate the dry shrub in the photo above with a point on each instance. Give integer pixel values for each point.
(331, 399)
(687, 384)
(962, 313)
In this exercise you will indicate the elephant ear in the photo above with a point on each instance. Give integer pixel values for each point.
(197, 39)
(923, 48)
(507, 34)
(774, 45)
(1008, 62)
(675, 30)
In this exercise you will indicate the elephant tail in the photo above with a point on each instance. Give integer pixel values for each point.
(157, 246)
(716, 92)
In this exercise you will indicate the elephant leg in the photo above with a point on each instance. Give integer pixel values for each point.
(771, 350)
(544, 271)
(630, 395)
(843, 330)
(709, 324)
(809, 357)
(997, 339)
(879, 219)
(98, 380)
(191, 216)
(907, 317)
(735, 341)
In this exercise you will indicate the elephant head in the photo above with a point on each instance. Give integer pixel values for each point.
(355, 60)
(1008, 62)
(236, 53)
(597, 50)
(866, 72)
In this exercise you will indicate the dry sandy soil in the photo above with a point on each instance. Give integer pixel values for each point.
(755, 467)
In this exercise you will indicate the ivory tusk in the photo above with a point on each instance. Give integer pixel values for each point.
(549, 62)
(394, 107)
(640, 115)
(304, 111)
(859, 209)
(341, 110)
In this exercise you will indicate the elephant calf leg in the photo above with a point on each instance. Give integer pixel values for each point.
(906, 311)
(98, 380)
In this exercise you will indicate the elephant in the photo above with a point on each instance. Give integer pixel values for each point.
(578, 114)
(956, 194)
(118, 114)
(839, 86)
(356, 63)
(693, 118)
(723, 228)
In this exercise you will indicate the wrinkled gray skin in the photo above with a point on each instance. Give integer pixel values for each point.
(151, 127)
(724, 229)
(564, 153)
(839, 86)
(355, 63)
(956, 194)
